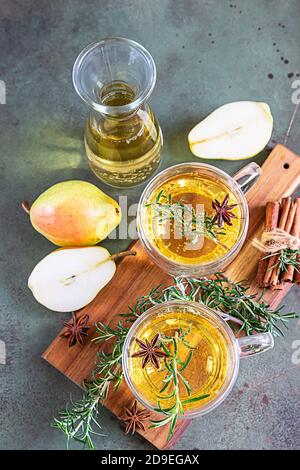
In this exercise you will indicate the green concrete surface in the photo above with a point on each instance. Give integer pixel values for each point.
(207, 52)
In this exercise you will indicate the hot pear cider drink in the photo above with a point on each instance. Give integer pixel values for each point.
(192, 219)
(201, 354)
(180, 359)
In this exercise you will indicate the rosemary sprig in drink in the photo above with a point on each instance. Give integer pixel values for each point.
(171, 382)
(186, 218)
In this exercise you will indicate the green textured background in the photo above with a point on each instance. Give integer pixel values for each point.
(207, 53)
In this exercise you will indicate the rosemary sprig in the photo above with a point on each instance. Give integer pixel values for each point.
(171, 382)
(79, 422)
(184, 215)
(247, 312)
(285, 259)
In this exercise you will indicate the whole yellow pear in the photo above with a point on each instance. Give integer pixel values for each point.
(75, 213)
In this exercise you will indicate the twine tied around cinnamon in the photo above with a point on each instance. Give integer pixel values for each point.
(273, 241)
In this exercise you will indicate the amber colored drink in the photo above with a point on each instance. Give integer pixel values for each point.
(123, 151)
(207, 370)
(196, 190)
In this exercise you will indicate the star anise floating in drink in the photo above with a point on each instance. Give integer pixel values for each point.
(76, 329)
(223, 211)
(150, 351)
(134, 419)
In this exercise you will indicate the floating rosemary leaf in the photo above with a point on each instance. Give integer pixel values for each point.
(185, 216)
(171, 383)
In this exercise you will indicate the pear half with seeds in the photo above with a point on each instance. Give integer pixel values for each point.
(234, 131)
(70, 278)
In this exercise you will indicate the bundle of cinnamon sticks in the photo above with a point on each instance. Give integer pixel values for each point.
(285, 215)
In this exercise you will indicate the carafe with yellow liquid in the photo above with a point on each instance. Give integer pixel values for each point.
(208, 357)
(123, 140)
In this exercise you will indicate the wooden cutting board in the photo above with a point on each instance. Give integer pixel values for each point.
(136, 276)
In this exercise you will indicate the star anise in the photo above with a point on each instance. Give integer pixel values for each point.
(76, 328)
(134, 418)
(223, 211)
(150, 351)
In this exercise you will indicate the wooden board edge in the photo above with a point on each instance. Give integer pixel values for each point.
(283, 148)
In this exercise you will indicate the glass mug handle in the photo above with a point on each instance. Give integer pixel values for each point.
(255, 344)
(247, 176)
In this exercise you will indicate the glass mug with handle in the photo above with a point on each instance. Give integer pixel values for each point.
(212, 369)
(179, 190)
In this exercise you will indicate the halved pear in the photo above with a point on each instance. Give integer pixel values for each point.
(234, 131)
(70, 278)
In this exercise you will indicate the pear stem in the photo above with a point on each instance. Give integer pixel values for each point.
(26, 206)
(122, 254)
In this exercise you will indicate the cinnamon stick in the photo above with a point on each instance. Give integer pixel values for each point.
(288, 275)
(285, 207)
(272, 213)
(287, 227)
(278, 286)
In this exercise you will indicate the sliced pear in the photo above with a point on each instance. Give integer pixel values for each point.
(234, 131)
(70, 278)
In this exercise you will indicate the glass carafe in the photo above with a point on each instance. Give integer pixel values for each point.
(123, 140)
